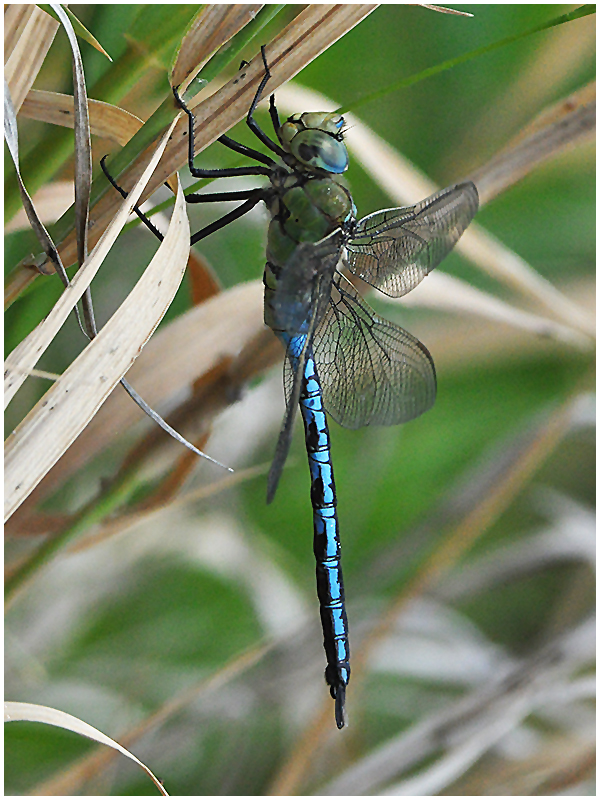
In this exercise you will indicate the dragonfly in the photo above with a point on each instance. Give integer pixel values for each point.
(342, 359)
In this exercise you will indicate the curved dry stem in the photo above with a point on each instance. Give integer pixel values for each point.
(563, 125)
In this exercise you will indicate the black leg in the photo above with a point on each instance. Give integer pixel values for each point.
(233, 215)
(219, 197)
(253, 196)
(230, 172)
(246, 151)
(274, 116)
(123, 194)
(251, 122)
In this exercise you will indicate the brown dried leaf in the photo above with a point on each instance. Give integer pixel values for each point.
(28, 42)
(106, 120)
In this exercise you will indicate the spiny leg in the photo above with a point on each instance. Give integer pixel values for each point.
(274, 116)
(253, 197)
(136, 209)
(233, 215)
(227, 172)
(252, 123)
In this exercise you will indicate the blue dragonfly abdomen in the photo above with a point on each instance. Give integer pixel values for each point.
(326, 541)
(307, 205)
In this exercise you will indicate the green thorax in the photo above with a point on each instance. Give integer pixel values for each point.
(305, 212)
(308, 202)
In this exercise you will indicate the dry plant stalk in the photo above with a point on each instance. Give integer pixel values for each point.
(217, 24)
(28, 34)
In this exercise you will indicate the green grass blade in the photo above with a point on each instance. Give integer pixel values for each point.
(582, 11)
(79, 29)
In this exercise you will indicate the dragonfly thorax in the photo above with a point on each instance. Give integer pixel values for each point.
(315, 140)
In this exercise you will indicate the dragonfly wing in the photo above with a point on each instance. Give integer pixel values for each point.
(372, 372)
(293, 374)
(304, 283)
(395, 249)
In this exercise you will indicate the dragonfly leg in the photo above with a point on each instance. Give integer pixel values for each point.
(245, 151)
(228, 172)
(253, 196)
(151, 227)
(220, 197)
(251, 122)
(274, 116)
(233, 215)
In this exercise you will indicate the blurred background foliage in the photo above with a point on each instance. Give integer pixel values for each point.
(116, 631)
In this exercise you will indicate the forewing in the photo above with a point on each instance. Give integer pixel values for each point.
(293, 372)
(372, 372)
(395, 249)
(304, 283)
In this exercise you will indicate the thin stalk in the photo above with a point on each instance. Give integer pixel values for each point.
(93, 512)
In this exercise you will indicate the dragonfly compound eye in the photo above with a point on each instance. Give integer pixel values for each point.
(320, 150)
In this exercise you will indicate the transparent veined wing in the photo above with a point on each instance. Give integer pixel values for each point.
(293, 370)
(304, 283)
(299, 303)
(372, 372)
(393, 250)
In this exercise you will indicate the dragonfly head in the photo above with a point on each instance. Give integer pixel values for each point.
(316, 140)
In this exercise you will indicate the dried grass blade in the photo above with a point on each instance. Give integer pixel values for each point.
(106, 120)
(28, 54)
(70, 781)
(447, 293)
(16, 16)
(11, 136)
(215, 25)
(55, 422)
(564, 125)
(25, 356)
(445, 10)
(180, 353)
(83, 160)
(29, 712)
